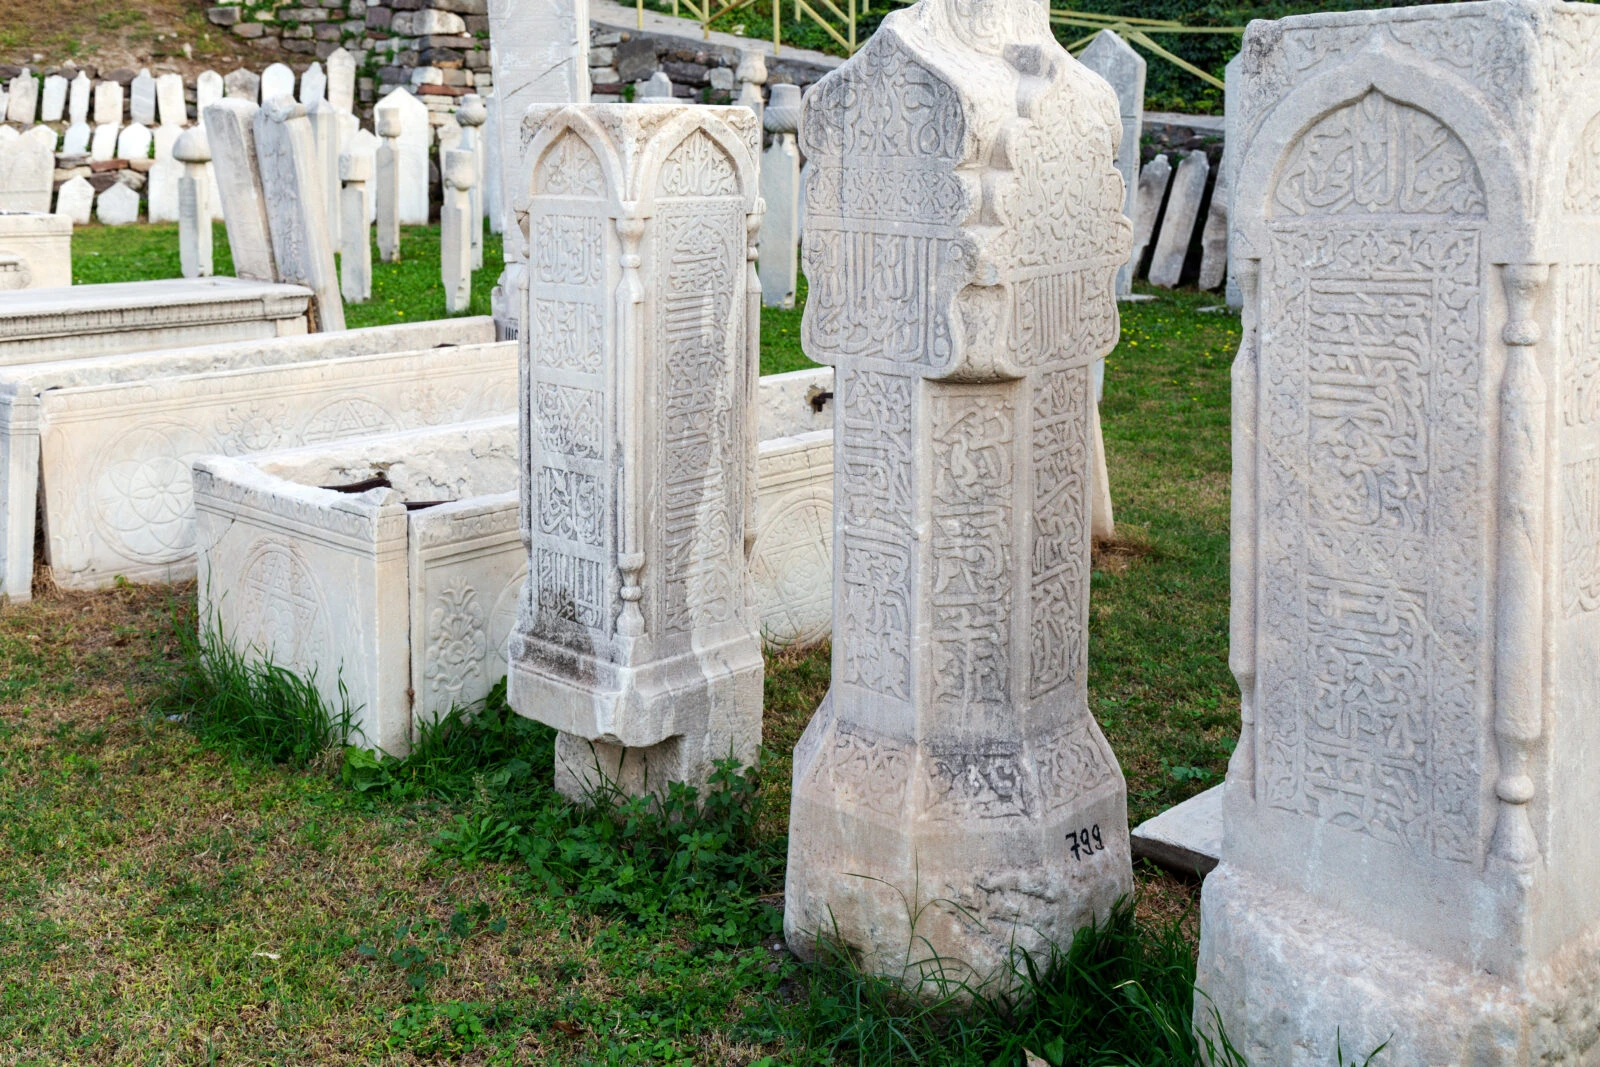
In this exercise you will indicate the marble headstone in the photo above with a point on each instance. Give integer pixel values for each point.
(54, 102)
(277, 80)
(412, 148)
(1109, 56)
(1177, 225)
(108, 104)
(117, 206)
(295, 184)
(171, 108)
(243, 85)
(780, 188)
(75, 199)
(230, 135)
(22, 100)
(142, 99)
(78, 98)
(342, 81)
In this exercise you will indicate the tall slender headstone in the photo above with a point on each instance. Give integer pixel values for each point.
(472, 115)
(1150, 195)
(540, 55)
(171, 108)
(365, 143)
(22, 100)
(142, 99)
(342, 80)
(243, 84)
(53, 104)
(455, 238)
(954, 802)
(1409, 850)
(108, 104)
(296, 198)
(277, 80)
(1214, 238)
(314, 86)
(355, 236)
(387, 195)
(493, 191)
(1109, 56)
(79, 95)
(1230, 104)
(637, 637)
(1177, 225)
(208, 89)
(411, 153)
(325, 135)
(230, 134)
(780, 188)
(161, 184)
(193, 152)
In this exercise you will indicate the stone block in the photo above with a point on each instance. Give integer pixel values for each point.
(1409, 854)
(1186, 838)
(409, 609)
(637, 639)
(224, 14)
(636, 60)
(35, 250)
(194, 401)
(954, 802)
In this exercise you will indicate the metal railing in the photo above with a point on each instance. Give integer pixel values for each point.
(840, 23)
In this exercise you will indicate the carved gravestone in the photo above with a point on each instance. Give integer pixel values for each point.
(355, 234)
(411, 154)
(108, 104)
(458, 171)
(22, 101)
(1154, 178)
(342, 81)
(231, 139)
(75, 200)
(964, 230)
(142, 99)
(171, 108)
(637, 632)
(1109, 56)
(541, 56)
(27, 163)
(295, 185)
(193, 153)
(1177, 225)
(208, 89)
(243, 84)
(53, 104)
(78, 97)
(1409, 854)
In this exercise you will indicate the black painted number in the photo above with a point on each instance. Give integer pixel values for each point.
(1085, 842)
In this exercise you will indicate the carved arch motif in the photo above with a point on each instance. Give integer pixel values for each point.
(1583, 172)
(569, 168)
(1377, 156)
(698, 166)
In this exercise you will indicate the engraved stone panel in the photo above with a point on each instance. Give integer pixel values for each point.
(640, 630)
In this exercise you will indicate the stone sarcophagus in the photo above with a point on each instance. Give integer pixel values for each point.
(1407, 853)
(954, 802)
(638, 633)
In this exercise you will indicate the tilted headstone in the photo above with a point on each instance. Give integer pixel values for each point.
(1109, 56)
(313, 86)
(108, 104)
(161, 185)
(22, 99)
(472, 115)
(243, 85)
(296, 197)
(455, 238)
(78, 98)
(540, 55)
(277, 80)
(1214, 238)
(208, 89)
(1177, 225)
(117, 206)
(387, 195)
(134, 142)
(171, 108)
(1409, 850)
(780, 188)
(27, 164)
(412, 154)
(1153, 181)
(142, 99)
(638, 635)
(325, 135)
(192, 152)
(103, 145)
(954, 802)
(54, 102)
(230, 134)
(355, 237)
(342, 80)
(75, 200)
(659, 87)
(76, 140)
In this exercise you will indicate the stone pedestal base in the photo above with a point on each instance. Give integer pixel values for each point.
(640, 728)
(1290, 981)
(931, 865)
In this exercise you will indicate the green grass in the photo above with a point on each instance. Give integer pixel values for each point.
(191, 869)
(401, 292)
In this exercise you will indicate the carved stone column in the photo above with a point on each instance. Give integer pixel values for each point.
(954, 802)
